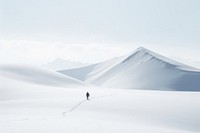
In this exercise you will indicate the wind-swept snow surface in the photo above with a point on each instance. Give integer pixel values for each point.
(44, 109)
(142, 69)
(36, 75)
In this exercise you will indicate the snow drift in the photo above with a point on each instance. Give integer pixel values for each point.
(142, 69)
(36, 75)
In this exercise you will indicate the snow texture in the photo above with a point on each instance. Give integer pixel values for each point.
(37, 100)
(142, 69)
(29, 108)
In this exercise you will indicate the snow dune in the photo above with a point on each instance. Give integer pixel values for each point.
(37, 75)
(141, 69)
(22, 82)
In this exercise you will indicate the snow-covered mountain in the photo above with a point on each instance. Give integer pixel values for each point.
(36, 76)
(141, 69)
(60, 64)
(33, 96)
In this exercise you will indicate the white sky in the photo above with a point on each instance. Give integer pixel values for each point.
(38, 31)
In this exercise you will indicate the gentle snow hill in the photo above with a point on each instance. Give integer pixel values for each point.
(36, 75)
(141, 69)
(60, 64)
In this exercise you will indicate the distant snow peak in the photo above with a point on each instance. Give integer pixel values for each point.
(59, 60)
(141, 69)
(141, 49)
(60, 64)
(141, 54)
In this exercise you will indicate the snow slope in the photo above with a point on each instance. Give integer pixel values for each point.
(142, 69)
(37, 75)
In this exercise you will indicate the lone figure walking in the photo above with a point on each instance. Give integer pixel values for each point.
(87, 95)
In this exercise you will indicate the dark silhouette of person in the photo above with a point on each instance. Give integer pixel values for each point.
(87, 95)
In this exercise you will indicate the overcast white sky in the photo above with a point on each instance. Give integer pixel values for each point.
(38, 31)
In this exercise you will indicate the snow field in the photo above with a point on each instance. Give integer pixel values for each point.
(108, 111)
